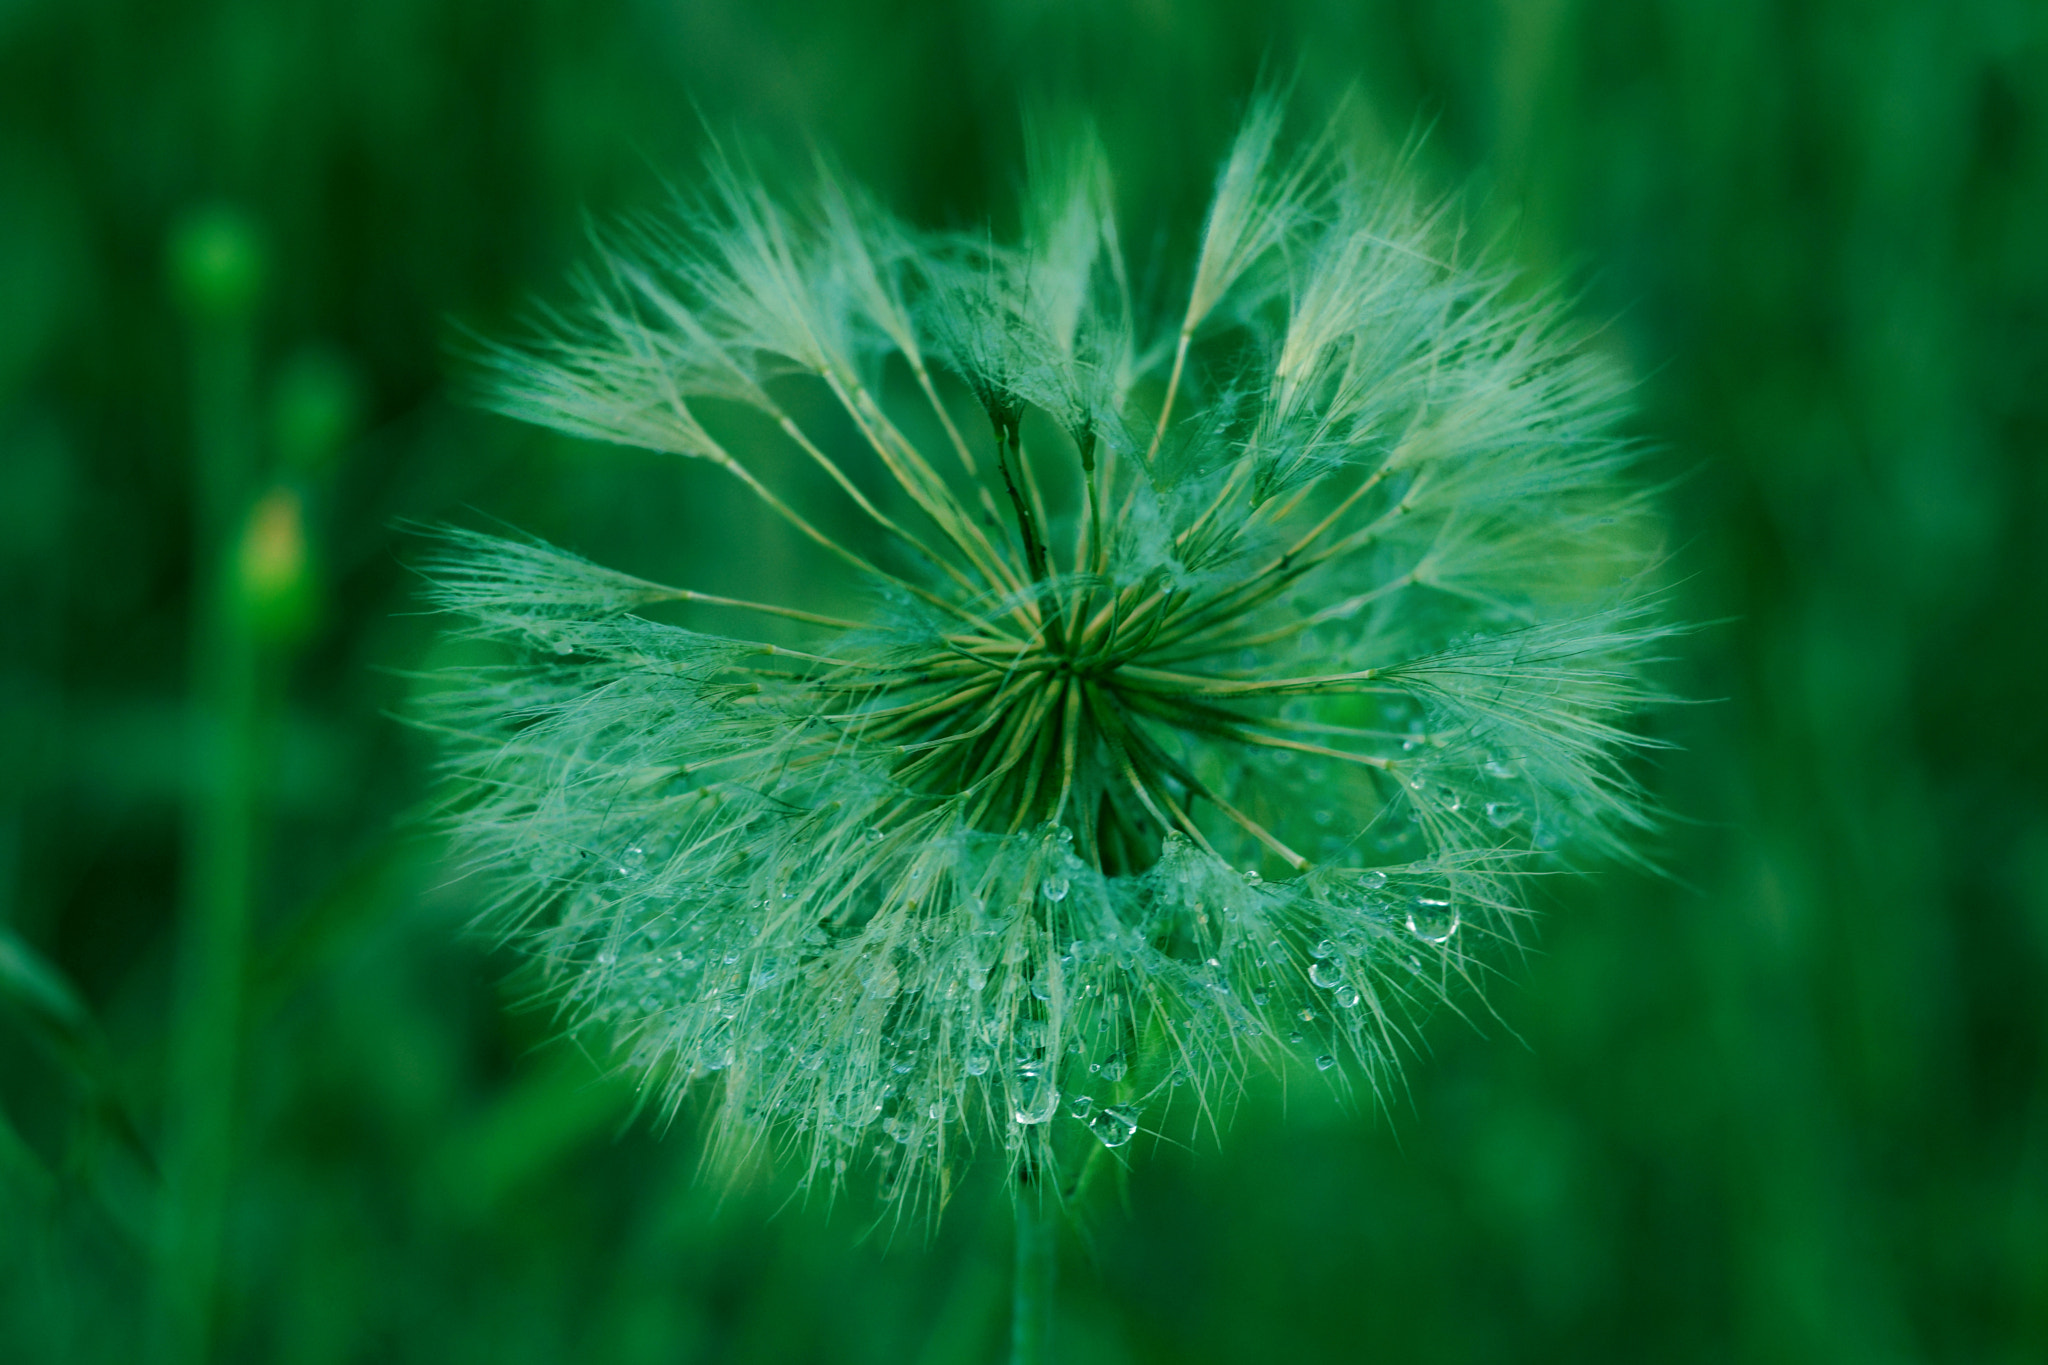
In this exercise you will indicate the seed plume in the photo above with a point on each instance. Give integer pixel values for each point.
(1218, 681)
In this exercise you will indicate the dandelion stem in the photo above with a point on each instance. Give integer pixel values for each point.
(1036, 1274)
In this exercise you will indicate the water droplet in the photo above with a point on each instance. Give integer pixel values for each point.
(1041, 989)
(563, 647)
(1294, 1035)
(1179, 1076)
(1080, 1105)
(1114, 1069)
(977, 1062)
(1323, 948)
(607, 958)
(1036, 1098)
(1261, 997)
(1114, 1124)
(1374, 880)
(1325, 1062)
(1495, 768)
(1501, 814)
(1252, 877)
(1433, 917)
(1326, 975)
(1054, 887)
(1347, 997)
(1307, 1016)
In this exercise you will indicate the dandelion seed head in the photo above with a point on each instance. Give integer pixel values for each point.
(1227, 671)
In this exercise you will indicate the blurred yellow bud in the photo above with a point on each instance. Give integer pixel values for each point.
(272, 564)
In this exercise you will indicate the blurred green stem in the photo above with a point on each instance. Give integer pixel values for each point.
(219, 845)
(1037, 1272)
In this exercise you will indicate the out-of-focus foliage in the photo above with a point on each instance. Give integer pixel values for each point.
(1791, 1107)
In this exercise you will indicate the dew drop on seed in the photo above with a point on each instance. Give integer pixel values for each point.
(1113, 1125)
(1036, 1099)
(1433, 917)
(874, 836)
(1080, 1106)
(1323, 948)
(977, 1062)
(1252, 877)
(1347, 996)
(1501, 814)
(1294, 1036)
(1325, 1062)
(564, 648)
(1308, 1016)
(1055, 887)
(1113, 1070)
(1495, 768)
(1373, 881)
(1326, 975)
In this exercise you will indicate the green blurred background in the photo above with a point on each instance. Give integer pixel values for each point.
(1789, 1106)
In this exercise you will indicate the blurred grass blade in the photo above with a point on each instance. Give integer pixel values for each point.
(31, 981)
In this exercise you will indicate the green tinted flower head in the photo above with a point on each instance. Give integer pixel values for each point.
(1225, 674)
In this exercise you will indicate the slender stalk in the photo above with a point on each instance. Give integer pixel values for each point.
(1180, 360)
(220, 833)
(1036, 1276)
(1009, 453)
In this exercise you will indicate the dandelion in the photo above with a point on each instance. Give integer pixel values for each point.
(1221, 677)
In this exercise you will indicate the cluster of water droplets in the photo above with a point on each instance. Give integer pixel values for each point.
(992, 988)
